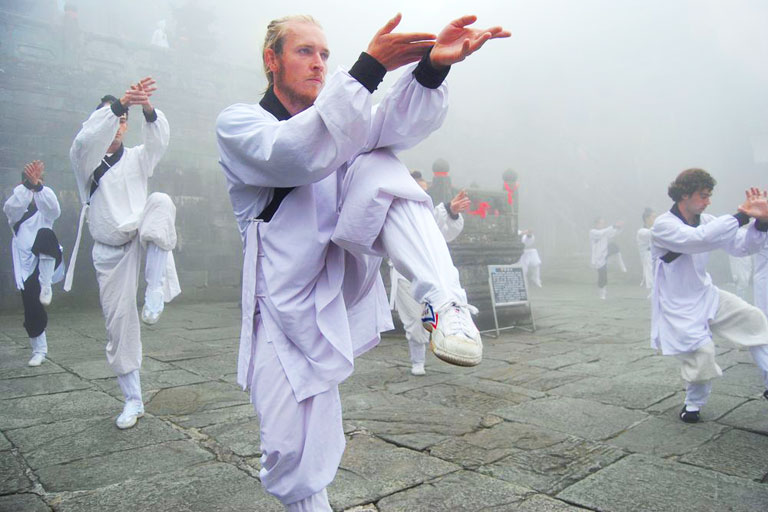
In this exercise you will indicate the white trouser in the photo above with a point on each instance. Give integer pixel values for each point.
(39, 344)
(154, 269)
(409, 312)
(315, 503)
(46, 265)
(130, 385)
(301, 442)
(412, 239)
(738, 322)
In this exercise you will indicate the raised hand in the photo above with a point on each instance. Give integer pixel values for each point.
(756, 204)
(139, 94)
(460, 203)
(393, 50)
(457, 41)
(33, 171)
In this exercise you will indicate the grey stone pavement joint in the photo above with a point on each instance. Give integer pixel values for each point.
(579, 415)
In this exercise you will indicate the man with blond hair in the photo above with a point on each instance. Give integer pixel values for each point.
(686, 308)
(320, 198)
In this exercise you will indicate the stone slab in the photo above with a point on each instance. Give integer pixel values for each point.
(138, 464)
(13, 364)
(205, 488)
(543, 503)
(34, 410)
(152, 382)
(736, 453)
(195, 398)
(70, 440)
(481, 397)
(99, 369)
(242, 438)
(23, 503)
(203, 419)
(622, 391)
(582, 418)
(665, 437)
(371, 469)
(213, 367)
(461, 491)
(12, 475)
(752, 415)
(661, 485)
(552, 468)
(41, 385)
(4, 443)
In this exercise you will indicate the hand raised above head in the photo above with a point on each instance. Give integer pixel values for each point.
(393, 50)
(457, 41)
(34, 171)
(460, 203)
(139, 93)
(755, 204)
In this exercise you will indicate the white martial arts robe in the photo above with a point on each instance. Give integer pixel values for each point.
(530, 258)
(760, 279)
(741, 273)
(400, 297)
(48, 210)
(598, 239)
(684, 300)
(321, 305)
(121, 218)
(643, 239)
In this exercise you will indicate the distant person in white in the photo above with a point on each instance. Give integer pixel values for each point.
(159, 38)
(530, 259)
(320, 198)
(599, 239)
(124, 220)
(686, 308)
(644, 247)
(450, 222)
(36, 253)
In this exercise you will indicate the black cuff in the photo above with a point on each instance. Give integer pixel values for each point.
(117, 108)
(429, 76)
(761, 226)
(33, 188)
(743, 218)
(368, 71)
(447, 206)
(151, 117)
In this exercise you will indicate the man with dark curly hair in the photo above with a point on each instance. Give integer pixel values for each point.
(686, 308)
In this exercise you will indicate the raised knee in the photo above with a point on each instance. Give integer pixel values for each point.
(160, 199)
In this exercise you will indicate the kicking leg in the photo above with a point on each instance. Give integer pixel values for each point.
(130, 385)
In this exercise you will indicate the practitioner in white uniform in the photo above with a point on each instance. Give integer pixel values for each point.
(686, 308)
(530, 259)
(599, 239)
(124, 221)
(320, 198)
(37, 258)
(760, 279)
(450, 222)
(643, 239)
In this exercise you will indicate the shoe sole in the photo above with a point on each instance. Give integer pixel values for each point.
(131, 425)
(453, 359)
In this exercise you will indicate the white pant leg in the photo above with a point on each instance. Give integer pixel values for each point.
(45, 267)
(697, 394)
(739, 322)
(154, 270)
(620, 261)
(39, 344)
(409, 312)
(412, 240)
(760, 355)
(301, 442)
(536, 275)
(315, 503)
(130, 385)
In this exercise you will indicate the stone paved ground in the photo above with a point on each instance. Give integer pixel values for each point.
(579, 415)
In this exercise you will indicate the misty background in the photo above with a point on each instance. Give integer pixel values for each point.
(597, 104)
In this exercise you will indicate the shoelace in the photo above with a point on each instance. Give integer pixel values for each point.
(459, 322)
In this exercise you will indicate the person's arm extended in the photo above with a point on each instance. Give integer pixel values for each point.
(92, 141)
(675, 236)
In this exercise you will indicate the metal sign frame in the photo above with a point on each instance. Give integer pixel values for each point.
(494, 305)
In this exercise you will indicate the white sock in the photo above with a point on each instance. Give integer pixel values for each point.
(130, 385)
(318, 502)
(45, 267)
(696, 394)
(154, 270)
(39, 344)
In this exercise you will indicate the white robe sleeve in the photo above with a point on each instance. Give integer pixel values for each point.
(597, 234)
(408, 113)
(17, 204)
(47, 204)
(450, 228)
(746, 242)
(90, 146)
(258, 150)
(673, 235)
(156, 136)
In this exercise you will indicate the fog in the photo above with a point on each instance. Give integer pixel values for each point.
(597, 104)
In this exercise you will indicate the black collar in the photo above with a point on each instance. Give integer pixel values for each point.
(271, 104)
(676, 212)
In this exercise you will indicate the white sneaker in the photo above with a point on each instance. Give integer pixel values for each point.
(37, 360)
(132, 411)
(46, 294)
(153, 306)
(454, 339)
(418, 369)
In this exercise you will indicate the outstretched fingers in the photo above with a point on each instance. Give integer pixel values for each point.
(390, 25)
